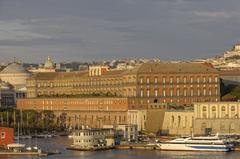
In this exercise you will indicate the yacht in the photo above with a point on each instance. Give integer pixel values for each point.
(208, 143)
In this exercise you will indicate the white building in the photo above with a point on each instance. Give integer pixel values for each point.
(127, 132)
(89, 138)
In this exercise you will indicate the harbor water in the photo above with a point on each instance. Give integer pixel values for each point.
(60, 144)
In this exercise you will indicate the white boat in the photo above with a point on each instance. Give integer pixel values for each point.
(210, 143)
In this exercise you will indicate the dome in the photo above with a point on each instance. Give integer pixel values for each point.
(4, 85)
(49, 63)
(14, 68)
(15, 75)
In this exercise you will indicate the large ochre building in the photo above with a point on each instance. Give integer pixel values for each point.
(180, 83)
(100, 96)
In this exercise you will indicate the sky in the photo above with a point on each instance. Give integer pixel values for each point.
(86, 30)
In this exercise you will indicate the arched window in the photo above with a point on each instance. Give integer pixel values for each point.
(232, 108)
(172, 122)
(223, 108)
(204, 108)
(179, 121)
(213, 108)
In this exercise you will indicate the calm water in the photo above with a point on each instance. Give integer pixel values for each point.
(61, 143)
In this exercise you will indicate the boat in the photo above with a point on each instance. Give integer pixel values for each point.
(202, 143)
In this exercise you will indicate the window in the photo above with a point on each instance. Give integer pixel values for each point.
(155, 92)
(204, 108)
(179, 121)
(216, 91)
(164, 80)
(210, 79)
(223, 108)
(232, 108)
(191, 80)
(191, 92)
(178, 79)
(164, 92)
(216, 79)
(148, 80)
(204, 92)
(178, 92)
(198, 92)
(204, 79)
(184, 79)
(141, 93)
(3, 135)
(198, 79)
(209, 92)
(148, 92)
(155, 80)
(213, 108)
(171, 92)
(171, 80)
(185, 92)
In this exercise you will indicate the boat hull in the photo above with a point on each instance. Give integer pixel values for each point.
(194, 147)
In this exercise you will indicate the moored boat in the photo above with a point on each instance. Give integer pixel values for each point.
(209, 143)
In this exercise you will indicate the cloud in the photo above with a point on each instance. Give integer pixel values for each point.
(18, 30)
(213, 14)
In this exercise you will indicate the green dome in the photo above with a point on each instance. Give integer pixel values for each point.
(49, 63)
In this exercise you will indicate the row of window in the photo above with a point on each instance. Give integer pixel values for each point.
(181, 92)
(192, 79)
(223, 108)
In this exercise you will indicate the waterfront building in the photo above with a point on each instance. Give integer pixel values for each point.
(6, 136)
(89, 138)
(178, 122)
(216, 117)
(167, 119)
(138, 117)
(126, 132)
(92, 111)
(181, 83)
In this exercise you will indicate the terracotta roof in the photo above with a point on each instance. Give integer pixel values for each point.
(58, 75)
(181, 67)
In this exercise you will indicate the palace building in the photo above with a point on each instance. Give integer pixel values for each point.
(94, 112)
(180, 83)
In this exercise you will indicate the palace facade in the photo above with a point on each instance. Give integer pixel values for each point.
(181, 83)
(94, 112)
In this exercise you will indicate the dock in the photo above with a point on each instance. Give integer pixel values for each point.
(138, 146)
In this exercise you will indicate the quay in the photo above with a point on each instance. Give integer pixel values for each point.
(138, 146)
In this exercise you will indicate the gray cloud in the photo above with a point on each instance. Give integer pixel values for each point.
(93, 29)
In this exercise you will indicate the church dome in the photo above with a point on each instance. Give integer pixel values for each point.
(4, 85)
(14, 68)
(49, 63)
(15, 75)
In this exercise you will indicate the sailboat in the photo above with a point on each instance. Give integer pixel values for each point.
(16, 146)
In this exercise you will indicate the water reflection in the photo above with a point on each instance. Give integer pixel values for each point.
(61, 143)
